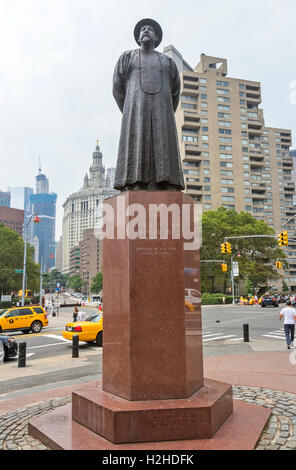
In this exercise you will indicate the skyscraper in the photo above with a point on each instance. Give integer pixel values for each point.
(5, 199)
(83, 209)
(20, 199)
(44, 204)
(230, 158)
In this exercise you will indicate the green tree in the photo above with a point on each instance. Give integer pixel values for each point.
(51, 278)
(285, 287)
(97, 283)
(11, 258)
(257, 255)
(76, 282)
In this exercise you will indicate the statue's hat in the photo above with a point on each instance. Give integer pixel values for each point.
(154, 24)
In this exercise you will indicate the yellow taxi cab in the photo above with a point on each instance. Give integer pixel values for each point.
(29, 318)
(88, 330)
(252, 301)
(260, 300)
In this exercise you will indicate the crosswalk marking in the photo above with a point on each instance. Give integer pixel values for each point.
(219, 337)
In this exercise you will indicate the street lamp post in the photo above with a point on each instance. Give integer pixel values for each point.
(36, 220)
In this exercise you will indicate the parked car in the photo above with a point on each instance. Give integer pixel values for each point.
(23, 319)
(9, 345)
(89, 330)
(269, 301)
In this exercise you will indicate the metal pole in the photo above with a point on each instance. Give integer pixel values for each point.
(40, 293)
(24, 264)
(232, 281)
(246, 333)
(75, 346)
(22, 354)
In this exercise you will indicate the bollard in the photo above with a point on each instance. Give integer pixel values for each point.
(1, 353)
(22, 354)
(75, 346)
(246, 333)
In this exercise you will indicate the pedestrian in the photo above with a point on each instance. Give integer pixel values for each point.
(75, 314)
(43, 301)
(256, 300)
(289, 315)
(223, 300)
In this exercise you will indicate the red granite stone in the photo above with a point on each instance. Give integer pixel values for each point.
(152, 346)
(240, 431)
(119, 420)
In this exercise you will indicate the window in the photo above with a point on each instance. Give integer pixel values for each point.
(204, 97)
(204, 121)
(227, 190)
(242, 101)
(222, 91)
(203, 80)
(224, 123)
(205, 137)
(226, 164)
(241, 86)
(205, 154)
(224, 181)
(207, 180)
(206, 162)
(242, 94)
(203, 105)
(224, 107)
(189, 98)
(188, 106)
(202, 88)
(223, 99)
(224, 131)
(207, 188)
(221, 83)
(205, 146)
(225, 139)
(188, 138)
(205, 129)
(207, 197)
(227, 148)
(224, 115)
(226, 173)
(228, 198)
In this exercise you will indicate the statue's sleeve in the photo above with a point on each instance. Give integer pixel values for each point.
(176, 84)
(119, 79)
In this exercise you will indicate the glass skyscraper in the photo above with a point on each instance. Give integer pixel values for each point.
(44, 204)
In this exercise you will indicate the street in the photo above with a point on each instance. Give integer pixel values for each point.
(49, 355)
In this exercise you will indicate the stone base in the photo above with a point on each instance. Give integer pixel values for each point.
(120, 421)
(240, 431)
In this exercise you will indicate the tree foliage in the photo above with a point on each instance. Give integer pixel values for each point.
(11, 258)
(76, 282)
(97, 283)
(51, 278)
(257, 255)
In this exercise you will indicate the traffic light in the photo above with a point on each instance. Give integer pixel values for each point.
(224, 267)
(283, 238)
(226, 248)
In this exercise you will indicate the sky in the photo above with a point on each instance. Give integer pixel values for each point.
(56, 65)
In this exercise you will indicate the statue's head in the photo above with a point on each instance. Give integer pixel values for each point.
(148, 30)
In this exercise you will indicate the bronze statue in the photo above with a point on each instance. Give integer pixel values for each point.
(146, 87)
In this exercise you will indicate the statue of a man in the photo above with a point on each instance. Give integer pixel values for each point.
(146, 87)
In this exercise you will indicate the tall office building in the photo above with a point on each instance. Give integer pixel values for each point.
(5, 199)
(20, 199)
(83, 209)
(229, 157)
(44, 204)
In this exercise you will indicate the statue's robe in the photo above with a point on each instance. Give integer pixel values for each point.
(146, 87)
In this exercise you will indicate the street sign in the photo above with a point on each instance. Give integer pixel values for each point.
(18, 271)
(235, 269)
(6, 298)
